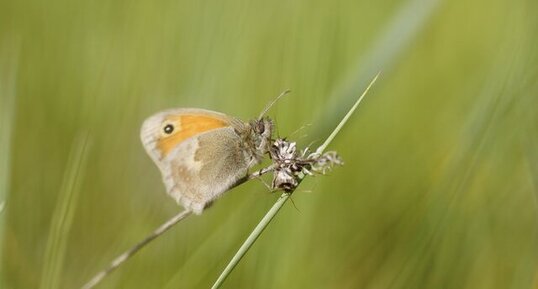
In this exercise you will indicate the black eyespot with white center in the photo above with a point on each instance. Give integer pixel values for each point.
(168, 129)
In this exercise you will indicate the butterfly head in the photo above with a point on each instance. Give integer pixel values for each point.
(260, 135)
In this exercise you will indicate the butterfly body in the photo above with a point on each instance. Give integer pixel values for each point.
(201, 154)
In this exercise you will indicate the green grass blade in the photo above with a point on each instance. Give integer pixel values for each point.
(389, 47)
(255, 234)
(62, 218)
(8, 73)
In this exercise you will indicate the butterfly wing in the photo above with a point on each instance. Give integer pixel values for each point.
(205, 166)
(202, 158)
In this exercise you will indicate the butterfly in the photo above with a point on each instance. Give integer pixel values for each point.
(202, 153)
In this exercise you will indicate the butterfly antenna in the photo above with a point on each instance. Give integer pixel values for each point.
(129, 253)
(273, 102)
(277, 126)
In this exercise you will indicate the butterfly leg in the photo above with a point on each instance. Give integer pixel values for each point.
(261, 172)
(270, 188)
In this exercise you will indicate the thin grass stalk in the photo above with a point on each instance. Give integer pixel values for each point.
(133, 250)
(255, 234)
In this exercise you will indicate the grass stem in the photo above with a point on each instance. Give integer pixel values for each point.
(133, 250)
(255, 234)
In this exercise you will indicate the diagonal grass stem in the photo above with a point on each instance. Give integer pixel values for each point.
(255, 234)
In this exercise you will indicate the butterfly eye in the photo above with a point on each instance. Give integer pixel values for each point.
(261, 127)
(168, 129)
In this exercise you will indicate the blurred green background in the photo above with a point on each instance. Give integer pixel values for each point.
(440, 183)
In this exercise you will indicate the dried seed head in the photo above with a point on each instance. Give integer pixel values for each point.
(284, 179)
(326, 162)
(289, 164)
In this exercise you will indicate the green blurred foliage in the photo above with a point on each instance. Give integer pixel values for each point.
(440, 184)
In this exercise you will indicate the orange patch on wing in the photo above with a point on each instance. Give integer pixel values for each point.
(186, 127)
